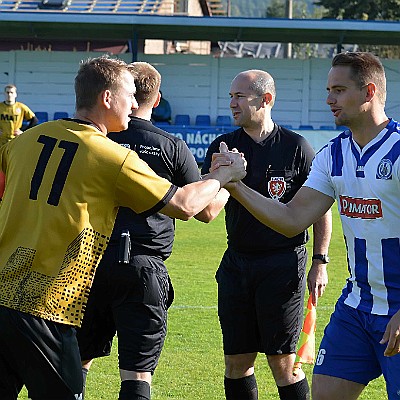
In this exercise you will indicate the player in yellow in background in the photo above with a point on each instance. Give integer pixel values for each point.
(12, 115)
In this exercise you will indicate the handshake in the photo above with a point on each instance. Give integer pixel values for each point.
(232, 162)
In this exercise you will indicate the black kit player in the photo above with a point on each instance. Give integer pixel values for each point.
(132, 291)
(57, 215)
(261, 277)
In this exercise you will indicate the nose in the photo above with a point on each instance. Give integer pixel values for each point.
(329, 99)
(232, 103)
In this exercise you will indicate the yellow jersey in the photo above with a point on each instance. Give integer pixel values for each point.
(64, 184)
(11, 119)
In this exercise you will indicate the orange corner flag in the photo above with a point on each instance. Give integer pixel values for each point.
(306, 345)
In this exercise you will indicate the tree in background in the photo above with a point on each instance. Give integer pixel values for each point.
(366, 10)
(388, 10)
(266, 8)
(302, 9)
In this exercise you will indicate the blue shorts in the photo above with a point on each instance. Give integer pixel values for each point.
(350, 349)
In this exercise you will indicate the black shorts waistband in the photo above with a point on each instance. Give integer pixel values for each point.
(268, 252)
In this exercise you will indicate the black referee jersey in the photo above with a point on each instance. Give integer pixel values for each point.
(170, 158)
(276, 168)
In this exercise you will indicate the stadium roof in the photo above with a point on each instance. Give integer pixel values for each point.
(95, 26)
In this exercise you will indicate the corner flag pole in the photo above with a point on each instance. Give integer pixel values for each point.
(306, 346)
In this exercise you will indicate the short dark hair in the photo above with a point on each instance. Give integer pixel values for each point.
(94, 76)
(365, 68)
(147, 82)
(10, 86)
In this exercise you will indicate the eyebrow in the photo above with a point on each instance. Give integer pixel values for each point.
(336, 87)
(246, 94)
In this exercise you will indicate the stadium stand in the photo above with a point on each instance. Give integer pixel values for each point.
(42, 116)
(327, 127)
(53, 4)
(87, 6)
(165, 7)
(203, 120)
(223, 120)
(161, 124)
(309, 127)
(182, 119)
(60, 114)
(7, 5)
(19, 5)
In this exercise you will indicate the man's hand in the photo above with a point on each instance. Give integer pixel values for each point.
(17, 132)
(221, 158)
(392, 336)
(317, 280)
(237, 167)
(225, 157)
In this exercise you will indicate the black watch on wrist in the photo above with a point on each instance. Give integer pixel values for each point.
(323, 257)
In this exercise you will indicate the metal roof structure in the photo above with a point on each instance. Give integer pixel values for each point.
(121, 26)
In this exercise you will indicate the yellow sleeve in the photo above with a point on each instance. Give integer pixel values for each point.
(28, 113)
(139, 187)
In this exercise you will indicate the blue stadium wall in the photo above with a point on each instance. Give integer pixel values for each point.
(194, 85)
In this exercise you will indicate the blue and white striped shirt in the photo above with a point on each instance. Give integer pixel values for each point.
(366, 185)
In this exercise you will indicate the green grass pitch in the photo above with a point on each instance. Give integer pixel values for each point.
(191, 365)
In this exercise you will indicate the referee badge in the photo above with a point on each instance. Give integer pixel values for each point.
(276, 187)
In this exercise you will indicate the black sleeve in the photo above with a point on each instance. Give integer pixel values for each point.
(32, 122)
(186, 169)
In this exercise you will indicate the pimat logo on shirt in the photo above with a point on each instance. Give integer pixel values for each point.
(360, 208)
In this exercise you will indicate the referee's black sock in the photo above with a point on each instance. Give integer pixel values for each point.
(134, 390)
(241, 389)
(296, 391)
(84, 375)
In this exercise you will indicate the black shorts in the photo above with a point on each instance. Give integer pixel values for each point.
(260, 301)
(40, 354)
(130, 300)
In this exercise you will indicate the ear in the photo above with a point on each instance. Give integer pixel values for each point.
(157, 102)
(267, 98)
(106, 98)
(371, 90)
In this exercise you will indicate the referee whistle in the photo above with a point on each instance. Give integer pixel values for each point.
(124, 247)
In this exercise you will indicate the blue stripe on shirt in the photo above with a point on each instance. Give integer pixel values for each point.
(361, 273)
(391, 259)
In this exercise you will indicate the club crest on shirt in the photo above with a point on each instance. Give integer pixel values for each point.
(385, 169)
(276, 187)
